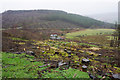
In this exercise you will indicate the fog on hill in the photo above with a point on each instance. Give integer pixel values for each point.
(106, 17)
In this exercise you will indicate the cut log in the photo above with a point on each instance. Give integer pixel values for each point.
(85, 60)
(44, 65)
(84, 68)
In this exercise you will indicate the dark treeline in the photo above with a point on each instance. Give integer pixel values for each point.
(49, 19)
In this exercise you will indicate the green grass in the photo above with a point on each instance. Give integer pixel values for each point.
(89, 32)
(20, 66)
(69, 73)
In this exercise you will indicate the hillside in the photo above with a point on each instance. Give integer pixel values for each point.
(49, 19)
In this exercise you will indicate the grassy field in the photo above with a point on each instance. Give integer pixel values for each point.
(89, 32)
(97, 36)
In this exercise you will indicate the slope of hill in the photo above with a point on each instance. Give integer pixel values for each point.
(49, 19)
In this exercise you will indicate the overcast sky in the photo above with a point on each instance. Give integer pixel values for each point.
(83, 7)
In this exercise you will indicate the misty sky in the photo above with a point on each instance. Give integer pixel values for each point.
(83, 7)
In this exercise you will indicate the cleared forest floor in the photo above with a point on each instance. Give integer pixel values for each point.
(29, 58)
